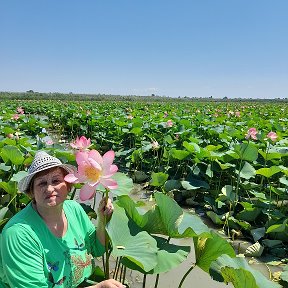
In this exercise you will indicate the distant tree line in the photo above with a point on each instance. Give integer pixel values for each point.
(31, 95)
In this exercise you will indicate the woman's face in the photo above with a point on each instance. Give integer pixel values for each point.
(49, 188)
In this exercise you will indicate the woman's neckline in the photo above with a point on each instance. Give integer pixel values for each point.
(49, 228)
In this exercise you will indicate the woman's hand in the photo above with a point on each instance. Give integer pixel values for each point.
(105, 209)
(110, 283)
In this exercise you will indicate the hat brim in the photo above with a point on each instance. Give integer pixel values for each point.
(24, 183)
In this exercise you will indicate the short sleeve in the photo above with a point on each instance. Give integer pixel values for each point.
(22, 259)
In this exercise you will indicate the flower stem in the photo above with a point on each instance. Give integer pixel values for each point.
(186, 274)
(106, 241)
(157, 280)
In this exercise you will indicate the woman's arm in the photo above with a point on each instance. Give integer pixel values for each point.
(22, 259)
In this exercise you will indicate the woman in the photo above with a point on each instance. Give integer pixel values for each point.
(51, 242)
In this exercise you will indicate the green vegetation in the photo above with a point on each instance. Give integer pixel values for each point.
(201, 153)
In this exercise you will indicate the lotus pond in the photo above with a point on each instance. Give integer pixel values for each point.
(226, 161)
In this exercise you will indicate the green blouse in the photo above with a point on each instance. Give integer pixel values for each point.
(31, 256)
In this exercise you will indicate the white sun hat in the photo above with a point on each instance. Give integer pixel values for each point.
(42, 161)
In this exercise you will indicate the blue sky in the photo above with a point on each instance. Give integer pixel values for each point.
(233, 48)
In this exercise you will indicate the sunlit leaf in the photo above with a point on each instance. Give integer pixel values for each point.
(238, 272)
(268, 172)
(13, 154)
(209, 249)
(137, 245)
(247, 171)
(246, 151)
(158, 179)
(125, 184)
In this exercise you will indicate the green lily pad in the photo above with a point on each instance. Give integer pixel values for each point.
(128, 241)
(215, 218)
(239, 273)
(125, 184)
(13, 154)
(246, 151)
(179, 154)
(208, 250)
(268, 172)
(169, 256)
(247, 171)
(158, 179)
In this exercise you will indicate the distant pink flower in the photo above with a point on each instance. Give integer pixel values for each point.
(237, 114)
(81, 143)
(15, 117)
(20, 110)
(49, 142)
(251, 133)
(169, 123)
(155, 145)
(272, 135)
(93, 169)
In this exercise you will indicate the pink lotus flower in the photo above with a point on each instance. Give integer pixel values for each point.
(15, 117)
(169, 123)
(237, 114)
(251, 133)
(20, 110)
(49, 142)
(81, 143)
(93, 169)
(272, 135)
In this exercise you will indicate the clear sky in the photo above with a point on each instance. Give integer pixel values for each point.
(194, 48)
